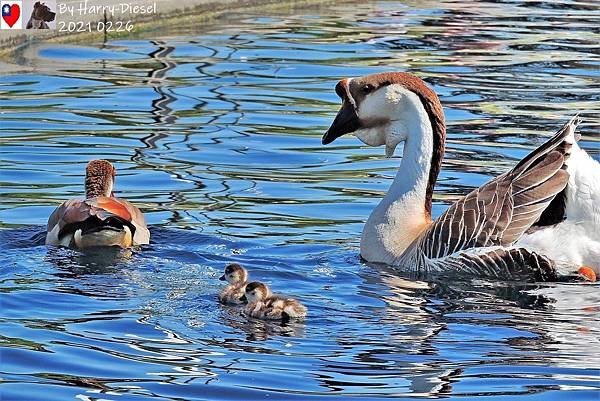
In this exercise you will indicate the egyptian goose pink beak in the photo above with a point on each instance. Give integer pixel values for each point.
(100, 219)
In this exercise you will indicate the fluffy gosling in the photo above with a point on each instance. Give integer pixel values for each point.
(263, 304)
(237, 277)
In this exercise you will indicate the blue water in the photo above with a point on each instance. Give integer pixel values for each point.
(215, 132)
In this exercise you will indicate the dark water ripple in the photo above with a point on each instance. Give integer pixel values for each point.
(216, 135)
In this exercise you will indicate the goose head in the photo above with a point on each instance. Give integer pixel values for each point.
(382, 109)
(234, 273)
(256, 291)
(99, 178)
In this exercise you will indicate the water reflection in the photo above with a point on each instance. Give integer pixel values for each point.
(261, 330)
(91, 261)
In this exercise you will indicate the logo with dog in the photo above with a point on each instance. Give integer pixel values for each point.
(39, 15)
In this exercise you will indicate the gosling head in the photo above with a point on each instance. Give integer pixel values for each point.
(256, 291)
(99, 178)
(234, 273)
(380, 109)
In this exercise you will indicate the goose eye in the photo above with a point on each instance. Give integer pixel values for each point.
(367, 88)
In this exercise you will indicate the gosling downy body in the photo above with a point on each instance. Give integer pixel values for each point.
(237, 278)
(100, 219)
(262, 304)
(540, 220)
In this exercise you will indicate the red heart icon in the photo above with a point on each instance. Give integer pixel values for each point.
(13, 17)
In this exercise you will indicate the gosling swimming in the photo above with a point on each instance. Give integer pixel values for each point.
(237, 277)
(263, 304)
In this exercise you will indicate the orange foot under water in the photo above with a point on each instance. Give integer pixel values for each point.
(587, 273)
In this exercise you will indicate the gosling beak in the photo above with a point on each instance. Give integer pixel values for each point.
(222, 278)
(243, 298)
(346, 120)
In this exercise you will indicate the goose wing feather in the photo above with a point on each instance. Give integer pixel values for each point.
(71, 211)
(76, 211)
(142, 234)
(106, 206)
(500, 211)
(501, 263)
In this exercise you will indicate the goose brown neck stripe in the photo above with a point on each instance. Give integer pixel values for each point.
(98, 178)
(432, 106)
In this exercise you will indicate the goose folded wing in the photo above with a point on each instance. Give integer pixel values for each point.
(500, 211)
(501, 263)
(73, 212)
(69, 212)
(106, 206)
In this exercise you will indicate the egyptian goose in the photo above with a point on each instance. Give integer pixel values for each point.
(237, 277)
(100, 219)
(262, 304)
(540, 220)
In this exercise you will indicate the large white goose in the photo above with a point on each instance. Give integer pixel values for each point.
(540, 220)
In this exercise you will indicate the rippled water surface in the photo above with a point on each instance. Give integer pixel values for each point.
(215, 131)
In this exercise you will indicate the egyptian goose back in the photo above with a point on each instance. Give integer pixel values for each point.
(512, 226)
(100, 219)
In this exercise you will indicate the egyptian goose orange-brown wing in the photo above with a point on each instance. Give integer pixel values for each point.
(99, 220)
(91, 215)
